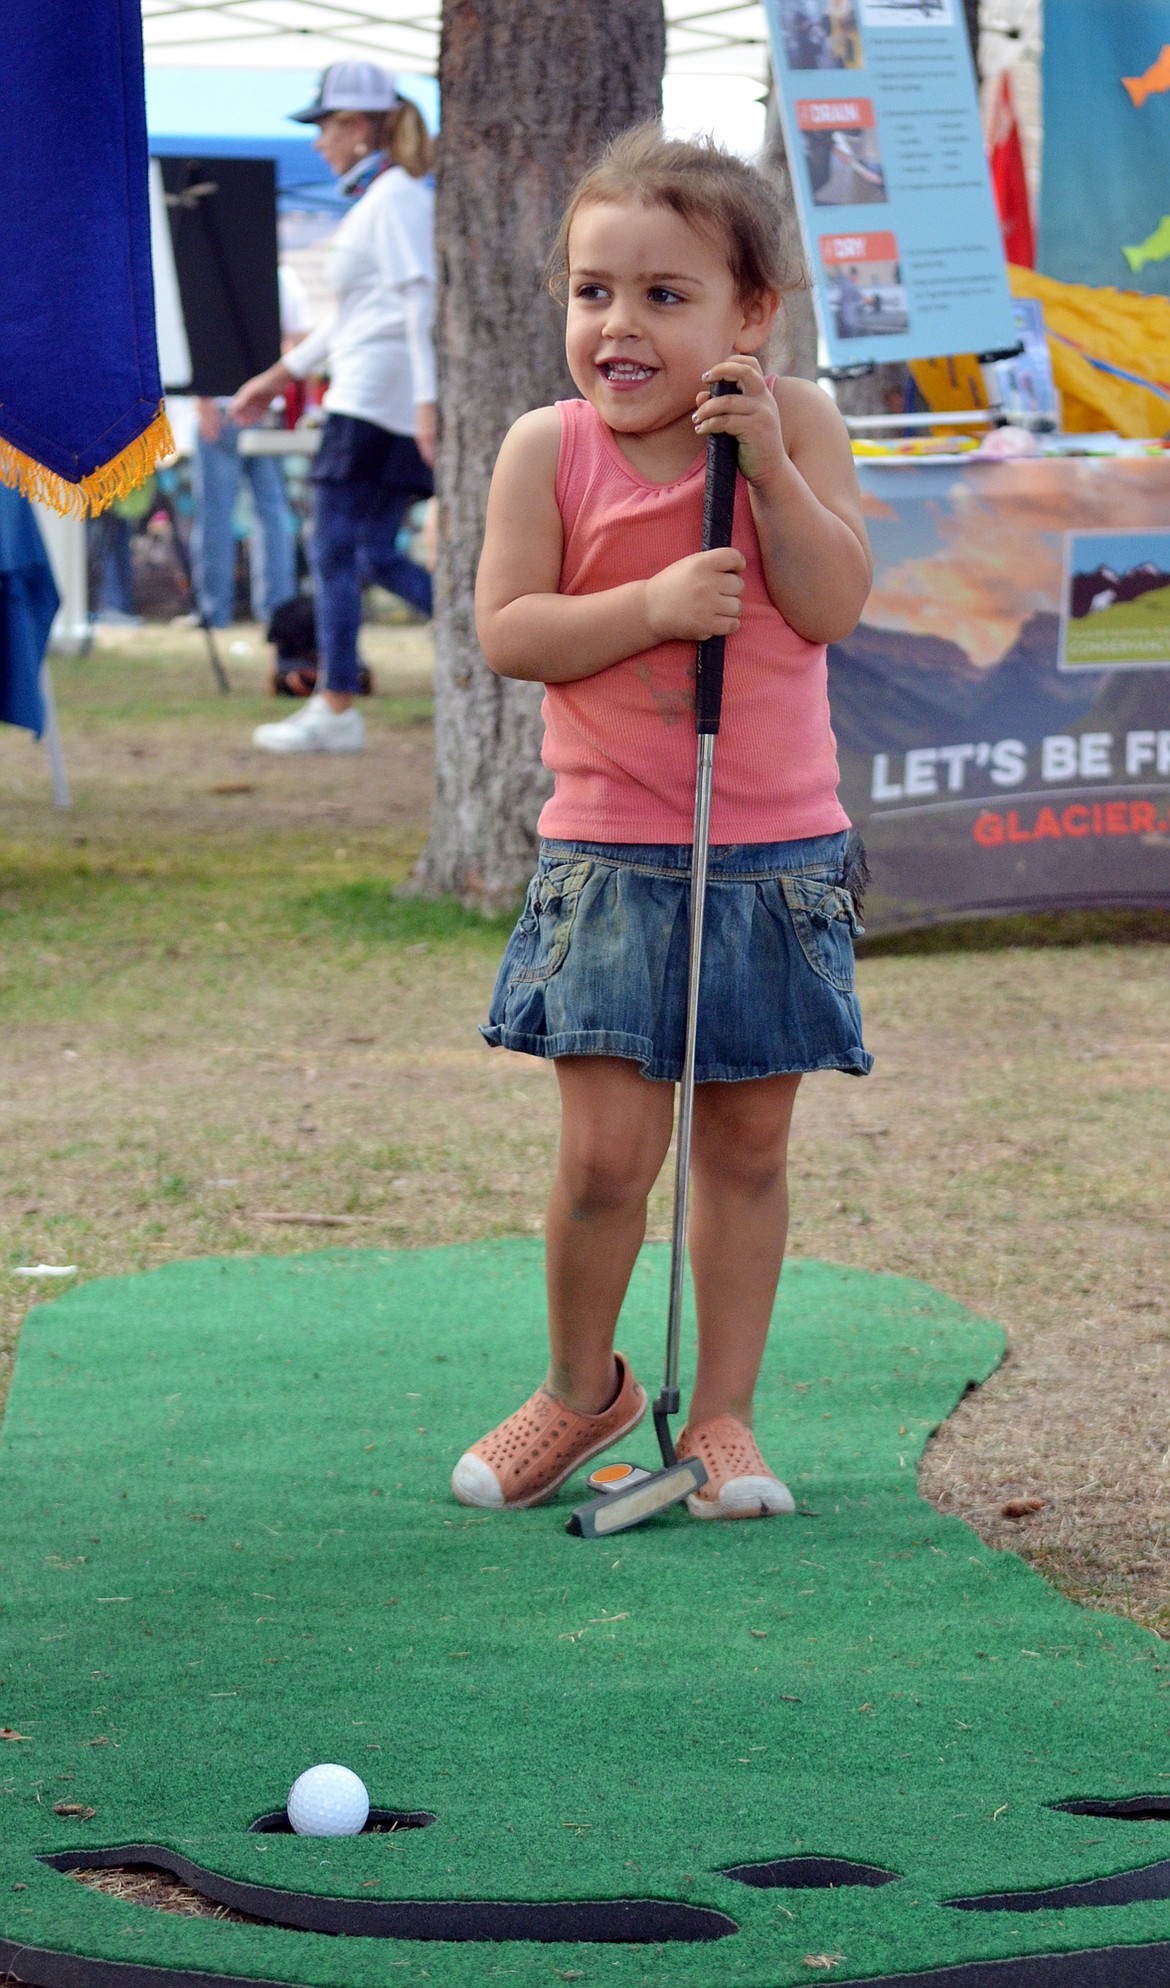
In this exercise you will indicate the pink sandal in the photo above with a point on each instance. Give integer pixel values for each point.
(739, 1484)
(527, 1458)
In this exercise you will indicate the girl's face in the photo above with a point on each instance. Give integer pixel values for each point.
(652, 305)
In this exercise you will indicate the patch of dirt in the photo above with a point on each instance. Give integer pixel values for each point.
(140, 1885)
(187, 766)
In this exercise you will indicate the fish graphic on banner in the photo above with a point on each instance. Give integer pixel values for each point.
(1155, 80)
(1106, 71)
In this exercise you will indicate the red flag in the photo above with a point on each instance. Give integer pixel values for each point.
(1009, 181)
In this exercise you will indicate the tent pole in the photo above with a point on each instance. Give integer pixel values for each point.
(52, 737)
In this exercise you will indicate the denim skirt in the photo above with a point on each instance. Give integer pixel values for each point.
(597, 964)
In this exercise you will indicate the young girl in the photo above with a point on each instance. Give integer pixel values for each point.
(589, 582)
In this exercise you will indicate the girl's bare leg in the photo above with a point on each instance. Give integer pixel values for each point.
(615, 1130)
(738, 1228)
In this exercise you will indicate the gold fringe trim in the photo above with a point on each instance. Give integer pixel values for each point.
(95, 492)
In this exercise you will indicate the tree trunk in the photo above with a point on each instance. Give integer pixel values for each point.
(530, 94)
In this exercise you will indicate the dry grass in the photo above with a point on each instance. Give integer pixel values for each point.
(215, 1013)
(140, 1885)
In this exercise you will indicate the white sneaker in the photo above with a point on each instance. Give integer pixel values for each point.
(315, 728)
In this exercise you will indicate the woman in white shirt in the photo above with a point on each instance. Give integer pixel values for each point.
(378, 444)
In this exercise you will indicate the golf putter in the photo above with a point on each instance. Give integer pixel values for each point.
(616, 1511)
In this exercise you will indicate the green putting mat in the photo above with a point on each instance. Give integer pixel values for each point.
(228, 1550)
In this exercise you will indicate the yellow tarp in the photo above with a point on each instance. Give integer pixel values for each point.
(1122, 328)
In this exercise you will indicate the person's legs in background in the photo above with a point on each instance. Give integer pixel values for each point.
(328, 722)
(338, 515)
(213, 540)
(364, 481)
(379, 559)
(112, 582)
(273, 546)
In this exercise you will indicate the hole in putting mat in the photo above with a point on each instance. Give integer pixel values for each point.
(1132, 1808)
(626, 1921)
(809, 1874)
(379, 1822)
(1150, 1881)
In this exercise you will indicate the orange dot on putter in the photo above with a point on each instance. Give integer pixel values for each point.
(615, 1476)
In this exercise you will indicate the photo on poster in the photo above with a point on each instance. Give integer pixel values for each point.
(863, 278)
(906, 13)
(820, 34)
(1115, 601)
(1027, 390)
(839, 139)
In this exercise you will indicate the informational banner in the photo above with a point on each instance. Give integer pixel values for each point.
(881, 121)
(1105, 196)
(1003, 711)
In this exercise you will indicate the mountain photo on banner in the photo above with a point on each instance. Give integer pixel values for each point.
(1001, 708)
(1105, 202)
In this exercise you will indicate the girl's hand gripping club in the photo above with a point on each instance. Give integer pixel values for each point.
(718, 516)
(618, 1510)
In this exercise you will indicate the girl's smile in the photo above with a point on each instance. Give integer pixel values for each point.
(652, 305)
(625, 372)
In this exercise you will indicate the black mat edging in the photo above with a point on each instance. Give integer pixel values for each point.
(1149, 1882)
(1102, 1967)
(630, 1921)
(45, 1967)
(809, 1873)
(1096, 1967)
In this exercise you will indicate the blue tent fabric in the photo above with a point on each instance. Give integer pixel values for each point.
(80, 393)
(28, 602)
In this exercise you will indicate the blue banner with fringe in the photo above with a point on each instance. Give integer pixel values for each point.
(81, 416)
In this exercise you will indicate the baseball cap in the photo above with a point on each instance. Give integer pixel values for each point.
(350, 86)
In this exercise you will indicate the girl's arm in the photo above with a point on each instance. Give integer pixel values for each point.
(794, 451)
(529, 630)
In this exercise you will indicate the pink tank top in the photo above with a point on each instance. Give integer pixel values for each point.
(621, 744)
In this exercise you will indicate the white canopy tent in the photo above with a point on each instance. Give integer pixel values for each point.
(727, 39)
(716, 65)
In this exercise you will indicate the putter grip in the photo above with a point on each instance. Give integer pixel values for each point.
(718, 511)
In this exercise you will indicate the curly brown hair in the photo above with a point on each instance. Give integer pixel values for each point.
(717, 193)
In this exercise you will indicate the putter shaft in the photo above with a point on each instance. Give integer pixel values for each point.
(667, 1403)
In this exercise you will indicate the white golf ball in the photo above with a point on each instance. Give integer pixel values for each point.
(328, 1801)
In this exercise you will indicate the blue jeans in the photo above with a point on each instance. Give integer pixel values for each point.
(355, 533)
(109, 539)
(218, 469)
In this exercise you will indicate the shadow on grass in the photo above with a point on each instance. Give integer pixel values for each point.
(370, 909)
(1045, 928)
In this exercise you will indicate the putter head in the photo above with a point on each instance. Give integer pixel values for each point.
(616, 1511)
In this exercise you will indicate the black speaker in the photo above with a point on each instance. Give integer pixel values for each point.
(223, 226)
